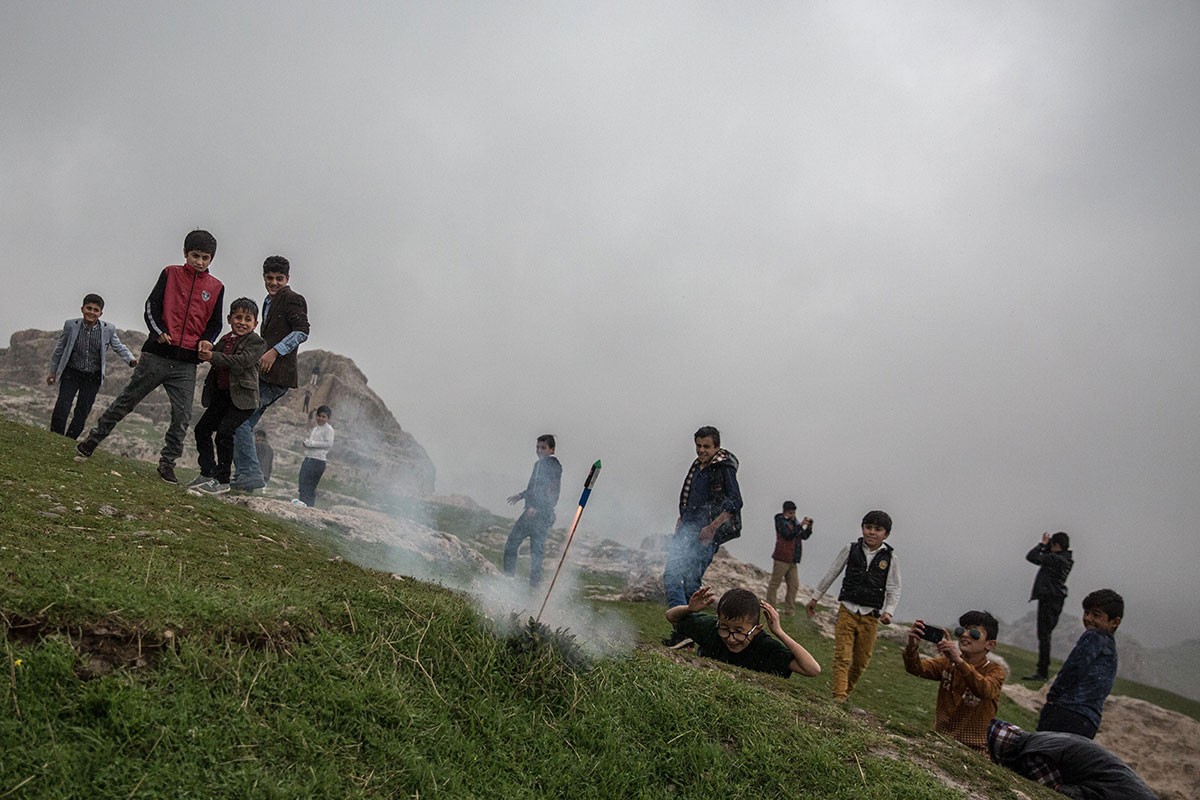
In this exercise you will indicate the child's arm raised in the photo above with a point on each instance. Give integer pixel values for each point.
(802, 660)
(702, 599)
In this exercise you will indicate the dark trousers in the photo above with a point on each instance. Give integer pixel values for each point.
(72, 383)
(218, 422)
(1048, 612)
(178, 379)
(311, 470)
(1058, 719)
(536, 529)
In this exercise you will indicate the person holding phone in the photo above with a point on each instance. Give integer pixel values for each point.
(969, 693)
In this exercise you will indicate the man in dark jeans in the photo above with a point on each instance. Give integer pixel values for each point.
(1053, 557)
(540, 496)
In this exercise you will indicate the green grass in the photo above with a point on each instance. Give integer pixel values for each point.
(163, 645)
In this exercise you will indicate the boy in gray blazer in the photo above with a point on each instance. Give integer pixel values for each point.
(78, 364)
(229, 397)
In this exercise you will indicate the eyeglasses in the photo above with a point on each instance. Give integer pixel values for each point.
(725, 632)
(974, 633)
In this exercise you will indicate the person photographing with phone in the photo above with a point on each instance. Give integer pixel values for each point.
(969, 693)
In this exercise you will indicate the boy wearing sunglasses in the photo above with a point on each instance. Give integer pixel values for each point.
(970, 683)
(736, 636)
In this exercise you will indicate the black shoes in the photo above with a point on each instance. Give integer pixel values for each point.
(86, 447)
(167, 473)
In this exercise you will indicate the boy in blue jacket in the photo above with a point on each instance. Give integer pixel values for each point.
(1076, 700)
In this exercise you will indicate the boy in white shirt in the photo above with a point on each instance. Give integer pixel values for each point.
(316, 450)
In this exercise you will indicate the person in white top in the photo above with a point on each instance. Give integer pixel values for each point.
(316, 450)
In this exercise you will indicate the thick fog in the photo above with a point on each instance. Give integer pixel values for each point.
(934, 258)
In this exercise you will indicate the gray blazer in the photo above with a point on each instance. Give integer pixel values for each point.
(243, 372)
(66, 343)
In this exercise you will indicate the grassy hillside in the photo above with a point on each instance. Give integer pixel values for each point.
(159, 645)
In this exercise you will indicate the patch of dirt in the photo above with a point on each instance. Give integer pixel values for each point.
(110, 644)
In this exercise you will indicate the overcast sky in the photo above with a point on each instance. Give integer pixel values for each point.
(934, 258)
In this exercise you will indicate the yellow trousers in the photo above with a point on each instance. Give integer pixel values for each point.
(853, 643)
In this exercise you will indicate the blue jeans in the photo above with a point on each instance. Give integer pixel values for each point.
(536, 528)
(687, 558)
(245, 457)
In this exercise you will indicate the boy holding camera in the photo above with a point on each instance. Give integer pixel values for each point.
(969, 693)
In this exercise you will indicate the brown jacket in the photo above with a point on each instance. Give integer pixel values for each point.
(967, 698)
(243, 372)
(288, 312)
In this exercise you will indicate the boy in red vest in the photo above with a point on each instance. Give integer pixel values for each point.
(183, 314)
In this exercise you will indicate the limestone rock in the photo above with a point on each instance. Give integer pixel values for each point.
(372, 455)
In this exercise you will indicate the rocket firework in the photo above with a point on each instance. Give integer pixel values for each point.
(593, 474)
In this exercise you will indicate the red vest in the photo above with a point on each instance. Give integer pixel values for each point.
(188, 303)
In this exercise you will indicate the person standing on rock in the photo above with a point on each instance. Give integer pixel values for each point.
(790, 535)
(284, 328)
(710, 506)
(540, 496)
(1053, 557)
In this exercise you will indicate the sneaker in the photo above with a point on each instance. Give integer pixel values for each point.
(212, 487)
(1036, 677)
(87, 447)
(167, 473)
(199, 481)
(298, 503)
(676, 639)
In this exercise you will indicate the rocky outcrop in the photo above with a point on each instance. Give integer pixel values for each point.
(373, 454)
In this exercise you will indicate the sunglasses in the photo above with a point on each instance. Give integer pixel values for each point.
(974, 633)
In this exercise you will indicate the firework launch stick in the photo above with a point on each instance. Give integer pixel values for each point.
(593, 474)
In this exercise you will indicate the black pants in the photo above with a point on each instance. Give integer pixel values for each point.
(73, 382)
(311, 470)
(219, 421)
(1060, 719)
(1048, 612)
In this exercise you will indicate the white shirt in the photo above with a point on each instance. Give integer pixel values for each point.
(319, 440)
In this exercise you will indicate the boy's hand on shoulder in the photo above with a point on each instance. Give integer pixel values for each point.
(701, 599)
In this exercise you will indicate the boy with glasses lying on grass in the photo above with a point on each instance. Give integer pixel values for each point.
(970, 683)
(736, 636)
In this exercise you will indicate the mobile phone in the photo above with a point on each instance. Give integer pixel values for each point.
(932, 633)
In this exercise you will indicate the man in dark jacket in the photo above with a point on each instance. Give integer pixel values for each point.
(710, 498)
(1053, 557)
(284, 328)
(540, 496)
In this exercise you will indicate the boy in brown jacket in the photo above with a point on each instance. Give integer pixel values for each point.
(970, 683)
(230, 395)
